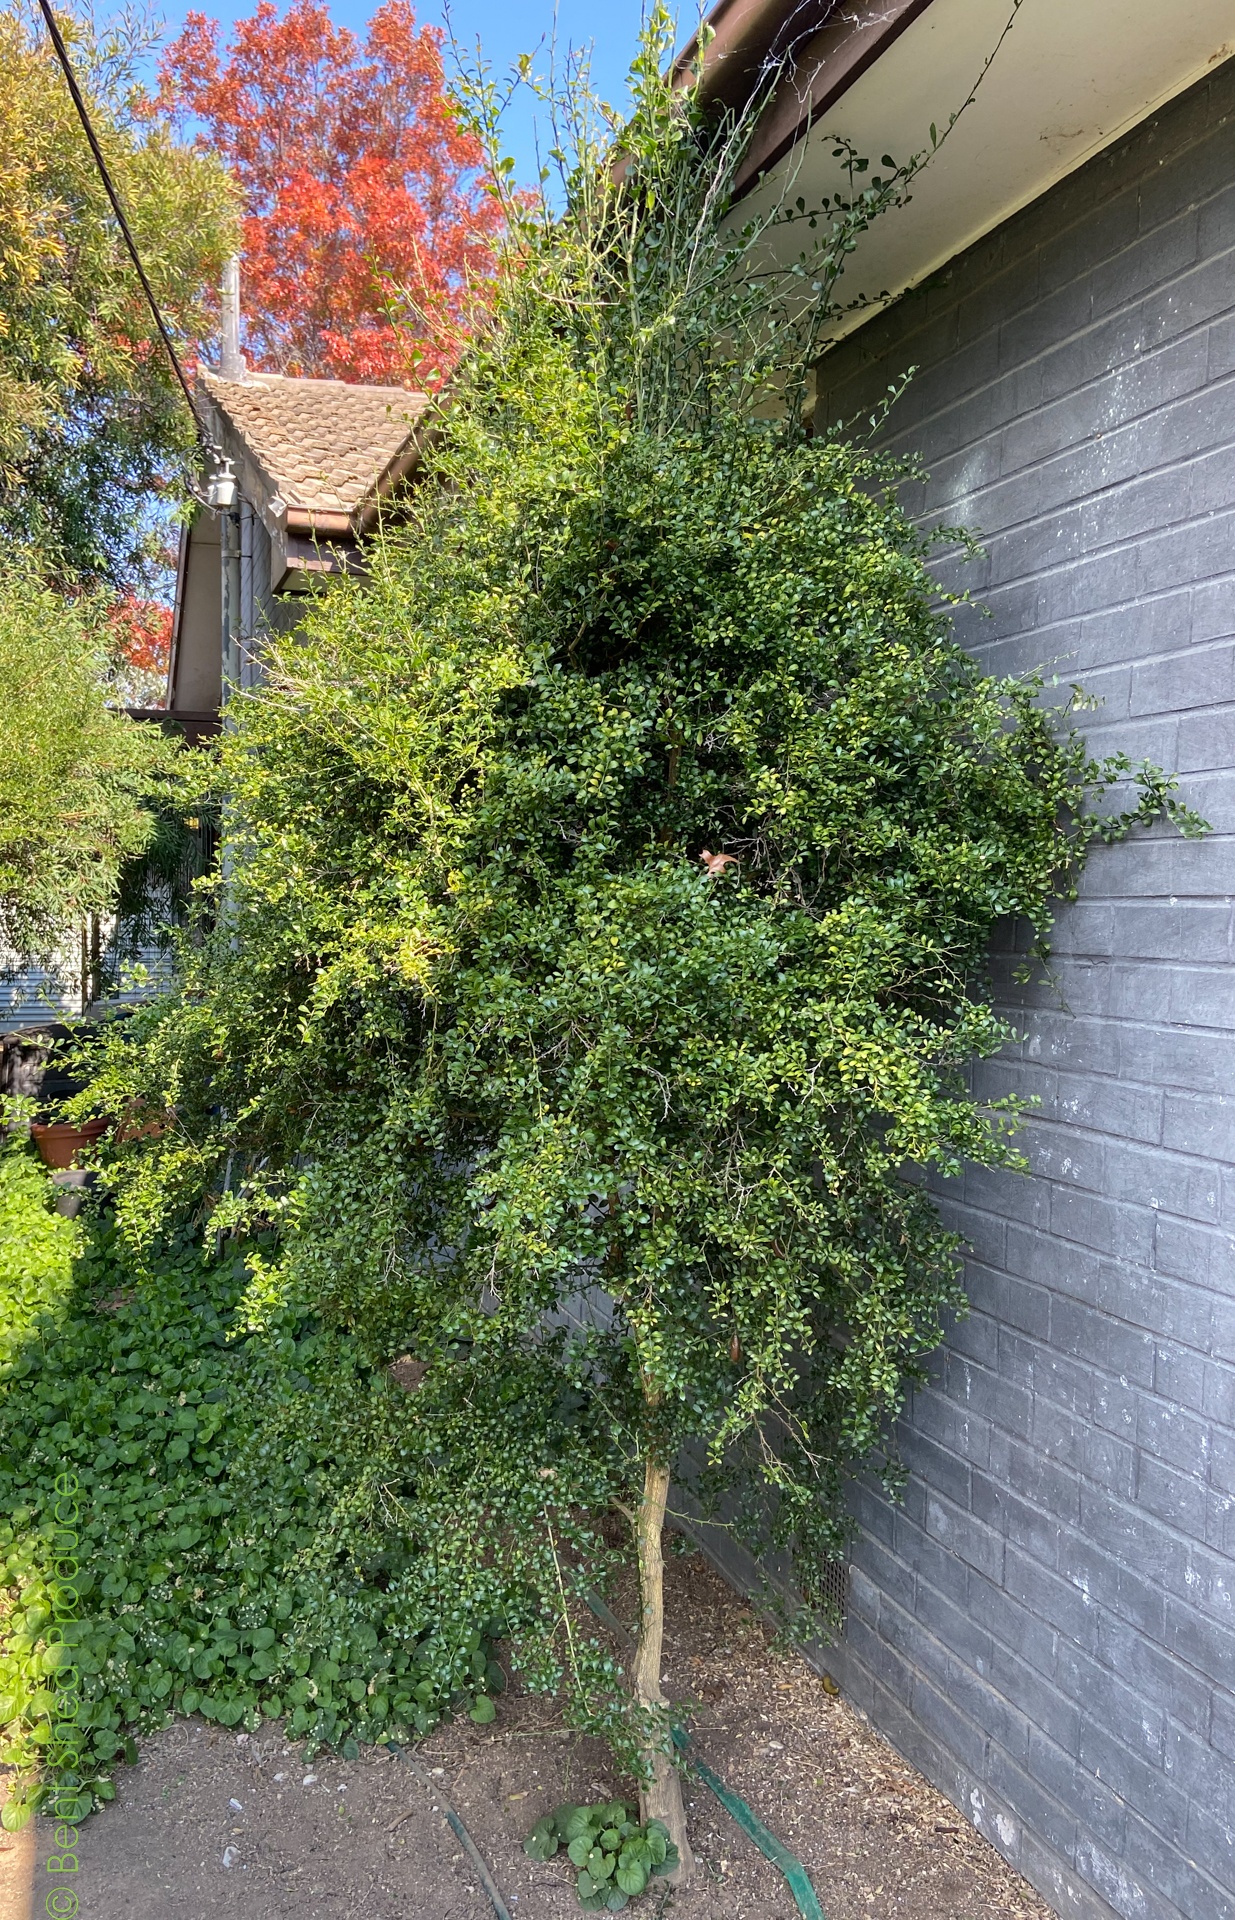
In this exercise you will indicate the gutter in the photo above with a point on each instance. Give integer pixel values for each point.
(316, 520)
(820, 48)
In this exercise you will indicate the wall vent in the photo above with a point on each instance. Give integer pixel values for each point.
(835, 1591)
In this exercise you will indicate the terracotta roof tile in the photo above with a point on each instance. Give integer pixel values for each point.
(325, 444)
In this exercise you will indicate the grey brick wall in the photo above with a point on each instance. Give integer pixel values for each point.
(1047, 1624)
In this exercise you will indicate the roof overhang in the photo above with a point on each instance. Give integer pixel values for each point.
(1067, 79)
(265, 489)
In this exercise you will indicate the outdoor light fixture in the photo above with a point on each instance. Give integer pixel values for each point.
(221, 492)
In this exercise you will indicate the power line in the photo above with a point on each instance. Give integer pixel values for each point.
(83, 114)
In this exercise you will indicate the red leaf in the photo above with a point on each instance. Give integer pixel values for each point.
(368, 229)
(141, 633)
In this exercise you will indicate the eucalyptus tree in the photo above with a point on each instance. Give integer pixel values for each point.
(81, 784)
(95, 436)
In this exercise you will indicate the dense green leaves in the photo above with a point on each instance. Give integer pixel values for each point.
(92, 423)
(265, 1526)
(615, 1856)
(78, 779)
(609, 886)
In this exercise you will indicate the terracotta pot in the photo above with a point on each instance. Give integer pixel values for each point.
(133, 1126)
(59, 1144)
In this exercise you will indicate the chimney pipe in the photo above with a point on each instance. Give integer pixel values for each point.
(231, 360)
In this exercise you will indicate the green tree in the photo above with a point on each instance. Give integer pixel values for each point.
(78, 778)
(94, 431)
(610, 885)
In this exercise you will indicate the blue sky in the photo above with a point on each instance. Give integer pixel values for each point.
(506, 28)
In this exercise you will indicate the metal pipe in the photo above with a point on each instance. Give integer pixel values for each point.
(248, 623)
(229, 547)
(231, 360)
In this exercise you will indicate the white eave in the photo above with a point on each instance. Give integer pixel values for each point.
(1069, 78)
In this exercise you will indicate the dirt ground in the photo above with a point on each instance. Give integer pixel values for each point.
(214, 1823)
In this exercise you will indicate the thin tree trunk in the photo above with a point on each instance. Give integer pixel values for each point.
(661, 1799)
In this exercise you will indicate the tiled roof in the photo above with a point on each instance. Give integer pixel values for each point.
(324, 444)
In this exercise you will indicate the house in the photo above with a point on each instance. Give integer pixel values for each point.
(1046, 1623)
(301, 472)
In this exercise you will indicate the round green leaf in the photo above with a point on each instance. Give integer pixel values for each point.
(541, 1842)
(600, 1865)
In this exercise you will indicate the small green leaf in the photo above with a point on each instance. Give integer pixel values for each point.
(483, 1710)
(542, 1842)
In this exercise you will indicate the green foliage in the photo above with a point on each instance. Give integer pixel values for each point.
(77, 776)
(155, 891)
(266, 1522)
(609, 887)
(90, 419)
(616, 1857)
(37, 1247)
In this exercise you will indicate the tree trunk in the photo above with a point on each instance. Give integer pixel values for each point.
(661, 1799)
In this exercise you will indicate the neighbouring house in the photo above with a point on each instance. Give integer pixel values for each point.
(302, 473)
(1046, 1624)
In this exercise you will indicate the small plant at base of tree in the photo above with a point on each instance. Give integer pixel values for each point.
(616, 1857)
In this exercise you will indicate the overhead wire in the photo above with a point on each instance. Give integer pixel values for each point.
(104, 171)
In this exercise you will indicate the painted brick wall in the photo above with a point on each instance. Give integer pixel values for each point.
(1047, 1624)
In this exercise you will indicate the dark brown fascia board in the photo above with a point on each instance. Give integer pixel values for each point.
(747, 36)
(325, 520)
(194, 726)
(825, 69)
(825, 45)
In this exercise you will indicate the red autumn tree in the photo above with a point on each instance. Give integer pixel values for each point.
(140, 637)
(367, 225)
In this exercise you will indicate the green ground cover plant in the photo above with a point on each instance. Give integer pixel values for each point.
(615, 1856)
(609, 886)
(247, 1545)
